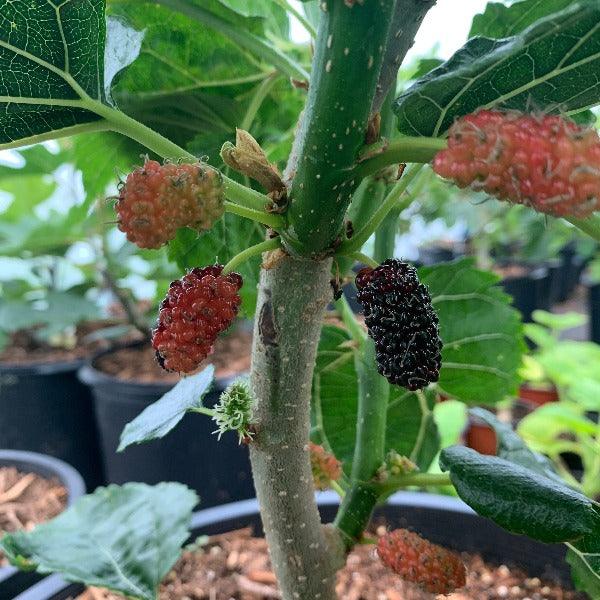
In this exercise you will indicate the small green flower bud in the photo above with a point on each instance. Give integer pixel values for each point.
(234, 410)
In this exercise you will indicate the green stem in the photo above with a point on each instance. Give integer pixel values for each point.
(355, 512)
(413, 480)
(246, 196)
(268, 219)
(246, 40)
(348, 54)
(373, 396)
(202, 410)
(301, 18)
(357, 241)
(259, 96)
(358, 334)
(401, 150)
(248, 253)
(364, 259)
(337, 488)
(385, 236)
(591, 225)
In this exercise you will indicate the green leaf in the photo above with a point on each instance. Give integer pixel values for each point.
(519, 499)
(51, 55)
(584, 558)
(160, 417)
(550, 66)
(123, 538)
(481, 353)
(501, 21)
(410, 429)
(512, 448)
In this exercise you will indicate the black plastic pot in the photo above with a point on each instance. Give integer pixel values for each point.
(44, 408)
(13, 581)
(219, 470)
(594, 309)
(441, 519)
(529, 292)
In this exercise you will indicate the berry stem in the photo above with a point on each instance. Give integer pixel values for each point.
(356, 242)
(202, 410)
(268, 219)
(356, 331)
(248, 253)
(403, 150)
(393, 484)
(121, 123)
(364, 259)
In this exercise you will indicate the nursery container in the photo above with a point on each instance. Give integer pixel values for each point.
(44, 408)
(13, 581)
(481, 437)
(536, 395)
(441, 519)
(529, 291)
(219, 470)
(593, 291)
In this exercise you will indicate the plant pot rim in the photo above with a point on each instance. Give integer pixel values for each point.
(90, 375)
(44, 465)
(41, 368)
(54, 584)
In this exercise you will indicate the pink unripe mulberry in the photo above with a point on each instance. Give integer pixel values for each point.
(546, 162)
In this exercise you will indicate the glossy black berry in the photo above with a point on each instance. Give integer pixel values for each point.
(402, 323)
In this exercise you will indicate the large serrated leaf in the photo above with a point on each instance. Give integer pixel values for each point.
(519, 499)
(50, 52)
(552, 65)
(411, 429)
(160, 417)
(482, 333)
(123, 538)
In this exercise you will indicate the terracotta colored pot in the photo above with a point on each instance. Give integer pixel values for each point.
(537, 396)
(481, 437)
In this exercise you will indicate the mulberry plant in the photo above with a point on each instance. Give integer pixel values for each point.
(267, 182)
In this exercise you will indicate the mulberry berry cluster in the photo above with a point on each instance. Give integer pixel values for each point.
(156, 200)
(325, 466)
(197, 308)
(545, 162)
(402, 323)
(433, 568)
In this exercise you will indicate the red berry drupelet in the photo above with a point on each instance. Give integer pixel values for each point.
(402, 323)
(197, 308)
(433, 568)
(545, 162)
(156, 200)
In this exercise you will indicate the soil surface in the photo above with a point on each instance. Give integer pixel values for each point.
(235, 566)
(27, 499)
(24, 348)
(230, 357)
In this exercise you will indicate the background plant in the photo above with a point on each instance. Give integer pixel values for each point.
(183, 74)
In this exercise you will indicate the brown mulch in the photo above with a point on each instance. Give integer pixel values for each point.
(27, 499)
(235, 566)
(24, 348)
(230, 357)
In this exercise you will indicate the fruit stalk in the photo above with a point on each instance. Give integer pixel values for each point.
(293, 295)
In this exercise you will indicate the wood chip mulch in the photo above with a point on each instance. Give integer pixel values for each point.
(235, 566)
(27, 499)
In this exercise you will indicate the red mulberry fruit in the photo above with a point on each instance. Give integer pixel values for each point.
(156, 200)
(546, 162)
(433, 568)
(197, 308)
(325, 466)
(402, 323)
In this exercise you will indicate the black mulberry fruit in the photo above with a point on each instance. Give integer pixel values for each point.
(402, 323)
